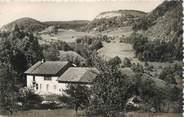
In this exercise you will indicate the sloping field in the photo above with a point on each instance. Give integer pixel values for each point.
(70, 55)
(113, 49)
(65, 35)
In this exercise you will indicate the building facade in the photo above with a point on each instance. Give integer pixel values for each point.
(52, 77)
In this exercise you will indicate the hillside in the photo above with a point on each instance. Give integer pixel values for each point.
(163, 23)
(114, 19)
(76, 24)
(28, 24)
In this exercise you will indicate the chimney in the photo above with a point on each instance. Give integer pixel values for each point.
(43, 60)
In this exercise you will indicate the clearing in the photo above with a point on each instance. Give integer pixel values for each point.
(64, 35)
(113, 49)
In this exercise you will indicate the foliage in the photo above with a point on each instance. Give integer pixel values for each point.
(28, 97)
(170, 73)
(8, 92)
(85, 52)
(154, 50)
(141, 23)
(18, 50)
(76, 95)
(20, 43)
(85, 46)
(61, 45)
(126, 62)
(110, 91)
(161, 97)
(50, 53)
(151, 93)
(115, 61)
(94, 43)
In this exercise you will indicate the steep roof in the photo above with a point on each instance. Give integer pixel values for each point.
(79, 75)
(48, 68)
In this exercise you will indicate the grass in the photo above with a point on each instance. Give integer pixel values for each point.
(154, 114)
(66, 35)
(70, 113)
(113, 49)
(45, 113)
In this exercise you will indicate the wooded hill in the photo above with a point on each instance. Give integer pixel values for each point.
(30, 24)
(164, 23)
(113, 19)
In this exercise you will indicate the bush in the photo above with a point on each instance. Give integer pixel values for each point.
(29, 98)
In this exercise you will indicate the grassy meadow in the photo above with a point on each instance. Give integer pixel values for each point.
(71, 113)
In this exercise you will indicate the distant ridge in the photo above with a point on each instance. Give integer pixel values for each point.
(75, 24)
(114, 19)
(26, 23)
(30, 24)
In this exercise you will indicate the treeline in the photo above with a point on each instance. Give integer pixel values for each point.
(156, 50)
(76, 25)
(19, 50)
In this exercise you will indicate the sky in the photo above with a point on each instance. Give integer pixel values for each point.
(65, 11)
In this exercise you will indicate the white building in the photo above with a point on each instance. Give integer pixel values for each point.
(51, 77)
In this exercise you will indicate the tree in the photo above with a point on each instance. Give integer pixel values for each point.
(151, 93)
(126, 62)
(51, 54)
(110, 91)
(77, 95)
(115, 61)
(8, 92)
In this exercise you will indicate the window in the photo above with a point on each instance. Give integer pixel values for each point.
(40, 86)
(47, 78)
(36, 86)
(54, 87)
(47, 87)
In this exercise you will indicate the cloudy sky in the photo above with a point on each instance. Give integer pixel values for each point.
(64, 11)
